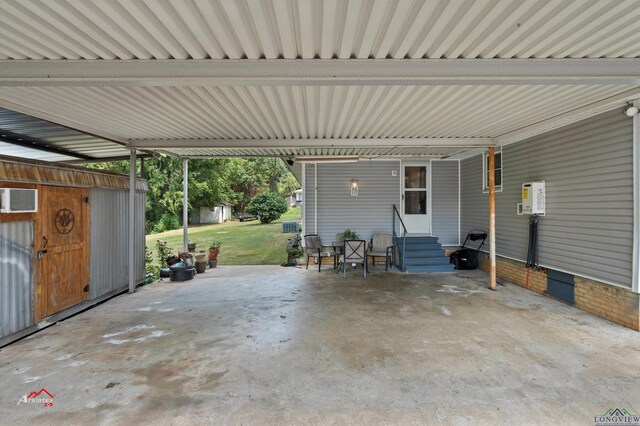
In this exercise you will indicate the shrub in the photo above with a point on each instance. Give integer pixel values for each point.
(166, 222)
(153, 271)
(268, 206)
(163, 252)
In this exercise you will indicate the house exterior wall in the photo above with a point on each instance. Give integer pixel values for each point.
(371, 211)
(110, 242)
(368, 213)
(444, 202)
(588, 226)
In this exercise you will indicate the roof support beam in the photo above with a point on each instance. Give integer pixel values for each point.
(32, 143)
(569, 117)
(105, 159)
(310, 143)
(263, 72)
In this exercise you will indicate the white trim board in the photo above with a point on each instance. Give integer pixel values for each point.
(263, 72)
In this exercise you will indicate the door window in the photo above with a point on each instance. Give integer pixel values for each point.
(415, 194)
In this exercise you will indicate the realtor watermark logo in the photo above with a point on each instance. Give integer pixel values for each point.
(42, 396)
(618, 417)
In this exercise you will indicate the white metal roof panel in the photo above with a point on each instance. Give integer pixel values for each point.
(254, 29)
(307, 112)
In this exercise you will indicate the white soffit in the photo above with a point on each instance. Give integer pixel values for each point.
(325, 29)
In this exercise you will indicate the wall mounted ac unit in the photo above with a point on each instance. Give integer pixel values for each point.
(18, 200)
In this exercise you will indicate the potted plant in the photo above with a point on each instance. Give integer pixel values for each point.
(348, 234)
(214, 251)
(191, 247)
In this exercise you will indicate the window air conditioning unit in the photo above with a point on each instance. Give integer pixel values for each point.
(18, 200)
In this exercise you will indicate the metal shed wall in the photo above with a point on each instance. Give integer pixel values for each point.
(109, 240)
(16, 273)
(588, 227)
(444, 201)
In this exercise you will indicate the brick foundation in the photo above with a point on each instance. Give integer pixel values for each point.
(616, 304)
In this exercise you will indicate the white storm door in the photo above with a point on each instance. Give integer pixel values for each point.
(415, 198)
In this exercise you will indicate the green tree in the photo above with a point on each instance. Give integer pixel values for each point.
(268, 206)
(235, 181)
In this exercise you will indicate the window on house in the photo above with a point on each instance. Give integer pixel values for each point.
(498, 171)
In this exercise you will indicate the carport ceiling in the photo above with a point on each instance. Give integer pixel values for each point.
(369, 78)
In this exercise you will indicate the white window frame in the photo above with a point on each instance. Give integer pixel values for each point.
(5, 194)
(485, 177)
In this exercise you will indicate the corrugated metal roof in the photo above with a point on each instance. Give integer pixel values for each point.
(481, 31)
(285, 112)
(54, 135)
(254, 29)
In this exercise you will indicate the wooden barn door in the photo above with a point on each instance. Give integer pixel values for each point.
(62, 244)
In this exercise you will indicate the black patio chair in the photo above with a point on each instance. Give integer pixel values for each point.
(354, 251)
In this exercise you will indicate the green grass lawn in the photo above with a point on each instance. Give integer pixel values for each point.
(243, 243)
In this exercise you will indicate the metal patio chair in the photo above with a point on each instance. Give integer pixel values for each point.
(354, 251)
(338, 243)
(314, 248)
(381, 246)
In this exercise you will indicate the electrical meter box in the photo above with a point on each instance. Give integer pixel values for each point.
(533, 198)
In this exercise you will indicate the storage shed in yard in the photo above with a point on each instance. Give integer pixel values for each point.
(63, 241)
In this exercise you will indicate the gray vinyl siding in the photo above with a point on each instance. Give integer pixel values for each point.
(474, 205)
(588, 169)
(444, 202)
(368, 213)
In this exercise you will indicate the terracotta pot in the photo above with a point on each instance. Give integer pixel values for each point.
(213, 254)
(201, 267)
(201, 257)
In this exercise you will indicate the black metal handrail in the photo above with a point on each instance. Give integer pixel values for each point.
(395, 236)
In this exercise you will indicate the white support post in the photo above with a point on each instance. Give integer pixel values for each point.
(132, 218)
(635, 277)
(185, 204)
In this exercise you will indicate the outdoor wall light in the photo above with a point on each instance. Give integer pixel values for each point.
(354, 188)
(290, 161)
(630, 110)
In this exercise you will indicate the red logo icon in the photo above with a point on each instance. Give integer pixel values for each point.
(42, 396)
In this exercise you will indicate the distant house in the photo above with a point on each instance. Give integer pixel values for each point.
(220, 213)
(295, 199)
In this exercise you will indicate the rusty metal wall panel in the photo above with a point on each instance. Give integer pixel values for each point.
(30, 171)
(109, 240)
(16, 276)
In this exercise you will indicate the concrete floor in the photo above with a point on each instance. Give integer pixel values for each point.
(272, 345)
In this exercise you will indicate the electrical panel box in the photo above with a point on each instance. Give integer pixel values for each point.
(533, 198)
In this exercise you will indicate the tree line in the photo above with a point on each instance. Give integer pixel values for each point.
(211, 181)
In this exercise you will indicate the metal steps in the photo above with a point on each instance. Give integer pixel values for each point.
(425, 254)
